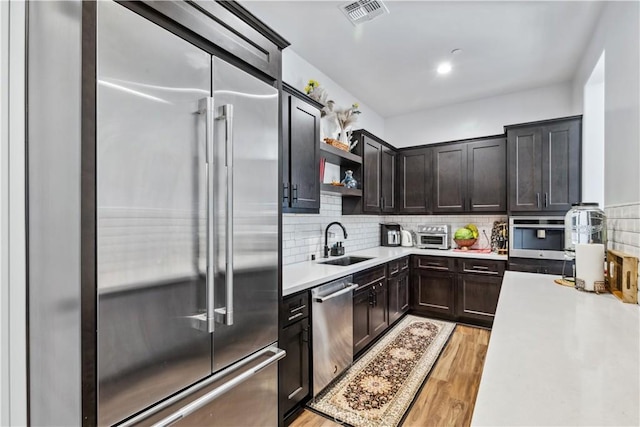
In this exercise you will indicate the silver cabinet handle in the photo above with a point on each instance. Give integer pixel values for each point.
(219, 391)
(225, 314)
(293, 310)
(538, 199)
(349, 288)
(546, 199)
(206, 321)
(295, 316)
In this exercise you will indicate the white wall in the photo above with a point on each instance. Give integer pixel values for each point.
(296, 71)
(618, 34)
(482, 117)
(593, 136)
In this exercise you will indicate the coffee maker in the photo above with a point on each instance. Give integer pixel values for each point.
(390, 235)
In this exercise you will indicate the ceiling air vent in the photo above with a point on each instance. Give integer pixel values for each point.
(363, 10)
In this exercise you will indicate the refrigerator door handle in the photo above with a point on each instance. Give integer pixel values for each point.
(206, 321)
(224, 315)
(219, 391)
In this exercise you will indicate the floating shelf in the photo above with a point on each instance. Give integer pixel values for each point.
(338, 156)
(353, 192)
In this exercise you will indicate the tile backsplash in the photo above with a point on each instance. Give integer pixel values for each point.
(303, 234)
(623, 229)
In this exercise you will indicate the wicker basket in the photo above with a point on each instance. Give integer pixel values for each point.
(337, 144)
(465, 243)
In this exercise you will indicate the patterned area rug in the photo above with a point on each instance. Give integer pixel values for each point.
(378, 389)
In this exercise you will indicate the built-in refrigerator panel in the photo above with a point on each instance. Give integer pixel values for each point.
(151, 212)
(246, 141)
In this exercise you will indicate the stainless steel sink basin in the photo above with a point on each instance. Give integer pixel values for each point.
(345, 261)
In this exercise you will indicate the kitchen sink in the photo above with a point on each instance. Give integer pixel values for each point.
(345, 261)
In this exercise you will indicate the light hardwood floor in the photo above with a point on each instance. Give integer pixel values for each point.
(448, 396)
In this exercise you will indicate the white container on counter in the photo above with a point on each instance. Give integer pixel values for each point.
(589, 264)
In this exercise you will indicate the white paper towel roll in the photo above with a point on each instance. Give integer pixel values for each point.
(590, 264)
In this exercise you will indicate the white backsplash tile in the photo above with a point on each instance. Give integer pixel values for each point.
(303, 234)
(623, 229)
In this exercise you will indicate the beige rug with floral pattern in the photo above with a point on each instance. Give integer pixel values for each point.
(379, 387)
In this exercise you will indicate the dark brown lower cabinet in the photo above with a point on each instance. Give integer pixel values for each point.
(379, 309)
(433, 293)
(541, 266)
(398, 296)
(362, 300)
(370, 307)
(458, 289)
(294, 368)
(477, 297)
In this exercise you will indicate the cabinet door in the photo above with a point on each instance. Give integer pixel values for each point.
(398, 296)
(294, 368)
(379, 308)
(371, 181)
(433, 293)
(414, 181)
(477, 297)
(561, 165)
(487, 175)
(362, 301)
(304, 156)
(387, 180)
(524, 146)
(450, 178)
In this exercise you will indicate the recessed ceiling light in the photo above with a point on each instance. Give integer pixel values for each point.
(444, 68)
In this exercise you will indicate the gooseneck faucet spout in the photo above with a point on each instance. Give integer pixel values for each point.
(326, 236)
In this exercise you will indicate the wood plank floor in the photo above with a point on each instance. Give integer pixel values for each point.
(448, 396)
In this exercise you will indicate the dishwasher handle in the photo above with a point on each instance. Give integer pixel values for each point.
(349, 288)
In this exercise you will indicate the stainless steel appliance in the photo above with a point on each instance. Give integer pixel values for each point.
(433, 237)
(187, 231)
(390, 234)
(332, 329)
(539, 237)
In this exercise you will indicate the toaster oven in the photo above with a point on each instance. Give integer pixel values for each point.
(433, 237)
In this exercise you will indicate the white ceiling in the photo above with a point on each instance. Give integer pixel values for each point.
(390, 62)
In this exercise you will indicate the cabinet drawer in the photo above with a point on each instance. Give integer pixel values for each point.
(481, 266)
(294, 308)
(397, 266)
(368, 277)
(434, 263)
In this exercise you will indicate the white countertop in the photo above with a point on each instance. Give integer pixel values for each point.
(560, 357)
(305, 275)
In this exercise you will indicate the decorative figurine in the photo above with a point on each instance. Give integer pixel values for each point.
(349, 181)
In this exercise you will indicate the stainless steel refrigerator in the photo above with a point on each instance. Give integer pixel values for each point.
(187, 227)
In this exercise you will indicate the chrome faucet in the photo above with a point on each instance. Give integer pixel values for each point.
(326, 236)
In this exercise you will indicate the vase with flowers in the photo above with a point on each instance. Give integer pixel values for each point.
(336, 122)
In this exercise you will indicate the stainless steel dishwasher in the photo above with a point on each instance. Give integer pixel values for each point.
(332, 313)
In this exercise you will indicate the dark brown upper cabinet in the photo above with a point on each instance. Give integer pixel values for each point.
(300, 152)
(470, 176)
(544, 165)
(487, 175)
(372, 155)
(449, 178)
(387, 180)
(378, 175)
(414, 181)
